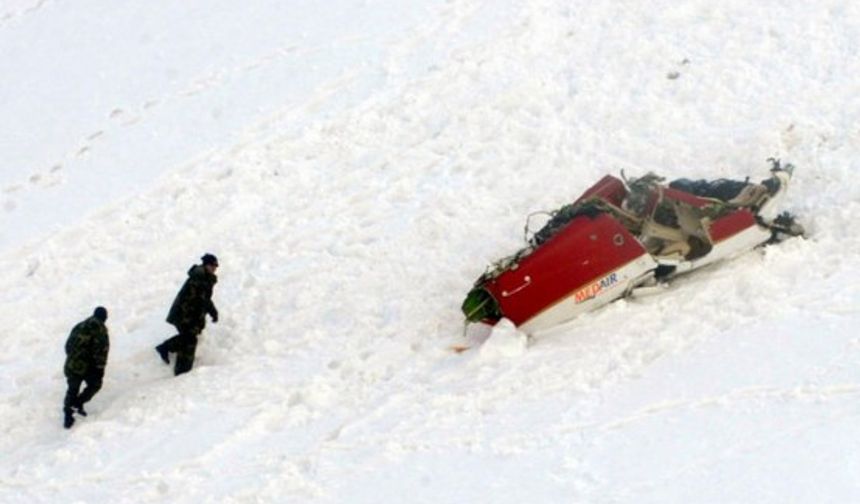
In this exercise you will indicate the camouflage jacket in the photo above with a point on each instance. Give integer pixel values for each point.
(87, 348)
(194, 301)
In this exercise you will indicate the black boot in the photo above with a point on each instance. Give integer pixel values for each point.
(162, 352)
(68, 418)
(80, 409)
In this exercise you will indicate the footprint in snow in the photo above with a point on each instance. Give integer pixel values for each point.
(131, 121)
(33, 8)
(119, 114)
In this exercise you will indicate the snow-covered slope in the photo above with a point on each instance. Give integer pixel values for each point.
(351, 211)
(107, 96)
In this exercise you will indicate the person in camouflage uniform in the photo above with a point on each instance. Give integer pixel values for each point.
(188, 314)
(86, 356)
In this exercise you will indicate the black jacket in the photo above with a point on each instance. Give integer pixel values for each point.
(194, 301)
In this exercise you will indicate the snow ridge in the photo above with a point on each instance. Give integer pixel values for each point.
(347, 240)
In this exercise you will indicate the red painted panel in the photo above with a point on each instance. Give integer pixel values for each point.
(608, 188)
(584, 251)
(731, 224)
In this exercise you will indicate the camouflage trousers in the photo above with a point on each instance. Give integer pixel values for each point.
(184, 345)
(93, 379)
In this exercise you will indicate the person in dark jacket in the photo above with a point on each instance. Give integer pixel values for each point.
(86, 357)
(188, 314)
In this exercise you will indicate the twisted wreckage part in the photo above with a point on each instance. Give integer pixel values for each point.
(626, 236)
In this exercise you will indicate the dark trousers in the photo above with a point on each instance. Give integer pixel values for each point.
(184, 345)
(93, 380)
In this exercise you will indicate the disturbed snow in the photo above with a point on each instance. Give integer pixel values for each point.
(352, 211)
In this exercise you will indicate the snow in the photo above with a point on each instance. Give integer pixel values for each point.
(355, 165)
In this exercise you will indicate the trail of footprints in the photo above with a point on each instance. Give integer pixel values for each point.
(27, 9)
(121, 118)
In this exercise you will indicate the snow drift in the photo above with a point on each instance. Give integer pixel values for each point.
(349, 220)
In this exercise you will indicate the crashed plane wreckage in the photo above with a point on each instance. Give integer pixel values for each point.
(624, 236)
